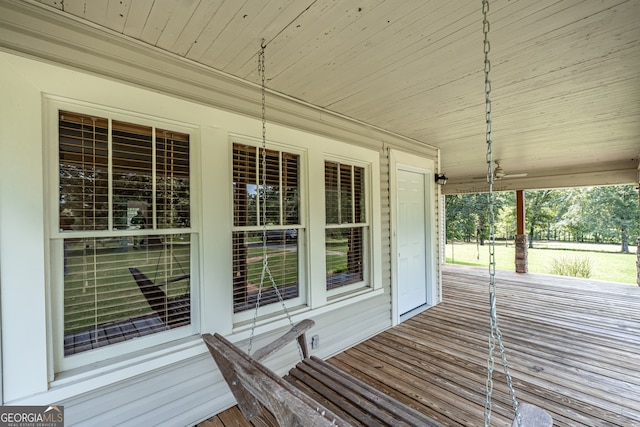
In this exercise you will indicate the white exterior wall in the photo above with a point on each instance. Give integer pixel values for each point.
(22, 249)
(178, 383)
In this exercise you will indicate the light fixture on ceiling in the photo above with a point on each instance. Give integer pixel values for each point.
(441, 179)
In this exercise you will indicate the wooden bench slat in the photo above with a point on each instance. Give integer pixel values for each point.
(309, 391)
(397, 409)
(335, 400)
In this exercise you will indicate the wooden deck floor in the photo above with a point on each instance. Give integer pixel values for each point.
(573, 348)
(112, 332)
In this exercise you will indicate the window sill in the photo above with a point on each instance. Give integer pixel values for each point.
(347, 291)
(352, 297)
(82, 380)
(243, 330)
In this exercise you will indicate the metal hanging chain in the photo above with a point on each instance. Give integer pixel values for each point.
(266, 272)
(495, 335)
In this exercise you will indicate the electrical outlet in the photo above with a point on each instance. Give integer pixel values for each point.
(315, 341)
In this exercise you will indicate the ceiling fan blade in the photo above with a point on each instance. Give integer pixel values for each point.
(498, 178)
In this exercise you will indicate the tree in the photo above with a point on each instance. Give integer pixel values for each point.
(572, 216)
(468, 215)
(460, 221)
(612, 213)
(541, 209)
(506, 221)
(606, 214)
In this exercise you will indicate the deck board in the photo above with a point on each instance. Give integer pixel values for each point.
(573, 347)
(112, 332)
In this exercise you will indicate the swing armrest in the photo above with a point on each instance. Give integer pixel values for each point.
(297, 331)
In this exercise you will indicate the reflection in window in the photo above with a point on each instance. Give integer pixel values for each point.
(113, 293)
(84, 171)
(344, 255)
(265, 202)
(282, 252)
(84, 194)
(117, 176)
(346, 228)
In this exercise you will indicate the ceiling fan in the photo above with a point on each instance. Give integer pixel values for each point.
(499, 173)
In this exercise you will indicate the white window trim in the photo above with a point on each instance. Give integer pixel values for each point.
(59, 365)
(312, 274)
(372, 270)
(346, 291)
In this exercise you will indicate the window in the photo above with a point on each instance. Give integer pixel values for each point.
(266, 210)
(346, 224)
(124, 232)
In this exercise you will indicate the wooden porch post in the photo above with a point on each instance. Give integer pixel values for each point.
(522, 242)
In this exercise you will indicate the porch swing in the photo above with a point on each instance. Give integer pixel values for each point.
(316, 393)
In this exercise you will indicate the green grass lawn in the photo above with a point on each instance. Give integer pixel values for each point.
(336, 255)
(606, 263)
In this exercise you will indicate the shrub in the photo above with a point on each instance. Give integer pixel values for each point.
(572, 266)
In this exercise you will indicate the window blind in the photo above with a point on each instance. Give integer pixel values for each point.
(282, 251)
(346, 229)
(265, 194)
(346, 194)
(344, 256)
(84, 169)
(245, 185)
(120, 286)
(84, 179)
(172, 180)
(103, 302)
(132, 160)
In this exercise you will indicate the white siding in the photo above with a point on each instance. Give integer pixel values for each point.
(385, 213)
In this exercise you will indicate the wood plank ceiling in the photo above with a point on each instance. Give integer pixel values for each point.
(565, 74)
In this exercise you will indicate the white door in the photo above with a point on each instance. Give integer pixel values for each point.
(411, 240)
